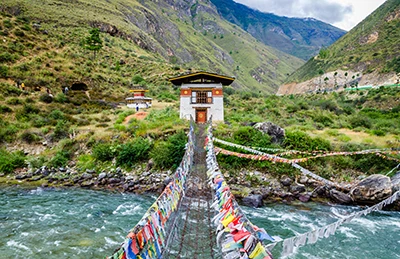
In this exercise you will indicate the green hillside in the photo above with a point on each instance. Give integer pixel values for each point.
(300, 37)
(372, 46)
(43, 45)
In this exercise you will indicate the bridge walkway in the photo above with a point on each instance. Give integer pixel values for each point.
(194, 234)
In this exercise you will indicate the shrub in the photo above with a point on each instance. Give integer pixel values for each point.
(46, 98)
(61, 130)
(61, 98)
(14, 101)
(57, 115)
(6, 57)
(360, 121)
(60, 159)
(167, 97)
(168, 154)
(9, 90)
(301, 141)
(8, 133)
(29, 137)
(4, 71)
(136, 79)
(5, 109)
(37, 162)
(249, 136)
(39, 121)
(134, 151)
(378, 132)
(19, 33)
(103, 152)
(85, 162)
(11, 161)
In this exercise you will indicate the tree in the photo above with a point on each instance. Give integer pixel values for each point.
(326, 79)
(93, 41)
(334, 77)
(345, 75)
(320, 72)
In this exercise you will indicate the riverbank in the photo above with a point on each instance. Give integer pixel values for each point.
(266, 190)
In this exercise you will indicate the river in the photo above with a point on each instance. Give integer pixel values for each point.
(76, 223)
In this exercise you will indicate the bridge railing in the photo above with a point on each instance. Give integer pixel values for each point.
(150, 236)
(237, 236)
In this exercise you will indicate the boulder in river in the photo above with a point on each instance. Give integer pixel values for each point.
(340, 197)
(396, 182)
(372, 189)
(253, 201)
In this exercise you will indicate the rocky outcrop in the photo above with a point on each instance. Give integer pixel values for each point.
(276, 133)
(372, 189)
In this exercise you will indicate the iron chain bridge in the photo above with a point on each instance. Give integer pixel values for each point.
(197, 216)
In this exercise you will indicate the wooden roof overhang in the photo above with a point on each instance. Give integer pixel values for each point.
(202, 77)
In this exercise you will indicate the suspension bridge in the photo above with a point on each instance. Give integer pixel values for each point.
(196, 216)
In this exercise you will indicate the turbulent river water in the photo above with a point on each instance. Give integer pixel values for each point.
(76, 223)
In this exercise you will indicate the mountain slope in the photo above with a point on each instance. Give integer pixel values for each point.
(189, 34)
(302, 38)
(373, 46)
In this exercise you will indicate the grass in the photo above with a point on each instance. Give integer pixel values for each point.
(42, 57)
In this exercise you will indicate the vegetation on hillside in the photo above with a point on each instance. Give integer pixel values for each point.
(344, 121)
(45, 44)
(372, 46)
(93, 135)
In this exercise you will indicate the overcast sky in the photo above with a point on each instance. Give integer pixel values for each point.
(344, 14)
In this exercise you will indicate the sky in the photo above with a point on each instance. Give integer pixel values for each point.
(344, 14)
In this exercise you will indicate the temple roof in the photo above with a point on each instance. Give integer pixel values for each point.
(202, 77)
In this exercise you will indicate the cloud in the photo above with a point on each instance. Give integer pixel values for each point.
(325, 10)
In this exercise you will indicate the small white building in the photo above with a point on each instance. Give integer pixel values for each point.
(202, 95)
(138, 99)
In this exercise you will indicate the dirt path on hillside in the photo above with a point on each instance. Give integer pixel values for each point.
(138, 116)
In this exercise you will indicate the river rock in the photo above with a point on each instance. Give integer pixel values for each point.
(149, 165)
(45, 172)
(396, 182)
(86, 176)
(340, 197)
(253, 201)
(87, 183)
(146, 173)
(90, 171)
(303, 179)
(167, 181)
(297, 188)
(274, 131)
(286, 181)
(118, 171)
(372, 189)
(102, 176)
(20, 176)
(62, 169)
(114, 180)
(265, 192)
(305, 197)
